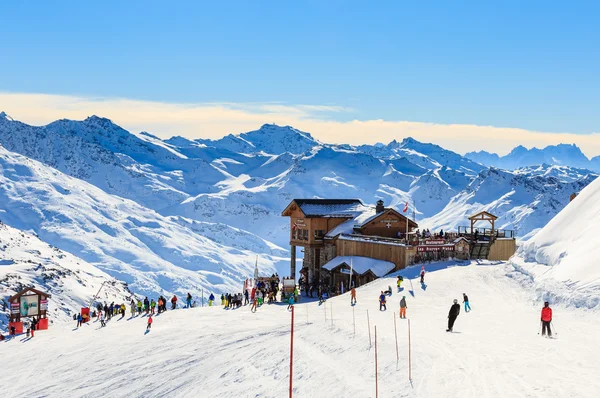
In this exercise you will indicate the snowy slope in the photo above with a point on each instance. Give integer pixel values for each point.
(494, 352)
(151, 252)
(27, 261)
(567, 250)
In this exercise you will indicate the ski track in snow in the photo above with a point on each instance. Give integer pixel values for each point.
(495, 350)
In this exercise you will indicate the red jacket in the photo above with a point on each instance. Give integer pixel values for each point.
(546, 314)
(150, 320)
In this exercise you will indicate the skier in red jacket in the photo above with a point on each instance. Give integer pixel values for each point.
(546, 319)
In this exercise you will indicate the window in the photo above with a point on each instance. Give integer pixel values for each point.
(305, 231)
(319, 233)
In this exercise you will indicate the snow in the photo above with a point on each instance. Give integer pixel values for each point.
(72, 282)
(494, 352)
(566, 250)
(360, 264)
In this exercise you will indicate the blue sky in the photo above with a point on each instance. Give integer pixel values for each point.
(526, 64)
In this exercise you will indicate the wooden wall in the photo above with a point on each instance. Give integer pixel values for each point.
(378, 226)
(502, 249)
(391, 253)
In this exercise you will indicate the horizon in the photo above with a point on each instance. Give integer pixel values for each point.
(397, 139)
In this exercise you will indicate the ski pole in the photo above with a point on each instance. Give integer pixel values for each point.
(540, 331)
(554, 327)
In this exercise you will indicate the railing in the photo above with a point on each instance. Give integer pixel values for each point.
(485, 233)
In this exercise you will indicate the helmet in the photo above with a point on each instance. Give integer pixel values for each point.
(546, 303)
(455, 301)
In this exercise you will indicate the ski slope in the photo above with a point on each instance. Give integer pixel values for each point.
(495, 350)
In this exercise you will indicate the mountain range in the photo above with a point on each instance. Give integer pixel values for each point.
(178, 215)
(560, 155)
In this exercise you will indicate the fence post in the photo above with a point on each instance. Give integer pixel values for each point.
(292, 352)
(409, 359)
(369, 326)
(396, 336)
(376, 379)
(331, 312)
(353, 321)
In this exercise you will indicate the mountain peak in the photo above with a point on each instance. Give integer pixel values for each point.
(4, 116)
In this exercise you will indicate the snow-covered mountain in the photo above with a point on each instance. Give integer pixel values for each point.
(151, 252)
(27, 261)
(562, 155)
(562, 257)
(179, 214)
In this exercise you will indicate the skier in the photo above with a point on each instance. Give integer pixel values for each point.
(422, 274)
(102, 323)
(146, 305)
(382, 302)
(211, 298)
(27, 326)
(188, 301)
(352, 296)
(139, 307)
(132, 308)
(453, 314)
(546, 319)
(123, 310)
(466, 301)
(290, 301)
(246, 297)
(79, 320)
(174, 302)
(222, 299)
(403, 307)
(33, 325)
(254, 304)
(149, 323)
(152, 306)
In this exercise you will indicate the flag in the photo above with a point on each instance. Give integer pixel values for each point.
(405, 208)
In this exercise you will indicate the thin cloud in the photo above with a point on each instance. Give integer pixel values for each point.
(214, 120)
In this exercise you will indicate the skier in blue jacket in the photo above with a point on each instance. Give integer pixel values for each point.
(290, 301)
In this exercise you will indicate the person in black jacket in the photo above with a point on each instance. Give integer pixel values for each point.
(453, 314)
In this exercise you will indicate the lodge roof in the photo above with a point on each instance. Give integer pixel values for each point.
(342, 208)
(26, 290)
(484, 216)
(411, 223)
(361, 265)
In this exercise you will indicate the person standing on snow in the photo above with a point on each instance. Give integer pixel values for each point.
(211, 298)
(152, 306)
(403, 307)
(102, 323)
(423, 274)
(382, 302)
(453, 314)
(123, 310)
(132, 308)
(174, 302)
(139, 307)
(546, 319)
(290, 301)
(352, 296)
(399, 283)
(149, 323)
(188, 301)
(466, 301)
(79, 320)
(246, 297)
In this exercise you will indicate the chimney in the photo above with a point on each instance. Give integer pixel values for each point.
(379, 207)
(573, 196)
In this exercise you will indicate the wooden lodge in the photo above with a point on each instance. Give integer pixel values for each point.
(334, 233)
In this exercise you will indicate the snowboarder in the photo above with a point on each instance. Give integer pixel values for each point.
(453, 314)
(139, 307)
(399, 283)
(254, 304)
(466, 301)
(79, 320)
(149, 323)
(389, 291)
(403, 307)
(290, 301)
(211, 298)
(188, 301)
(352, 296)
(174, 302)
(152, 306)
(546, 319)
(422, 274)
(102, 323)
(382, 302)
